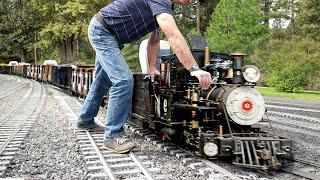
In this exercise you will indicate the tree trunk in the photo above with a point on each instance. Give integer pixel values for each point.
(70, 50)
(62, 50)
(37, 51)
(23, 55)
(198, 20)
(67, 51)
(292, 17)
(266, 11)
(37, 55)
(78, 45)
(208, 11)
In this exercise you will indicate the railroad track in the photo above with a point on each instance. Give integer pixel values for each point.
(204, 167)
(304, 113)
(294, 166)
(296, 116)
(103, 164)
(295, 119)
(16, 126)
(12, 89)
(19, 105)
(302, 168)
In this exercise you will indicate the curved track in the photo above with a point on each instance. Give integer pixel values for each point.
(19, 105)
(15, 127)
(12, 89)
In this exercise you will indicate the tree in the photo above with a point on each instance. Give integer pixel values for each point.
(17, 28)
(65, 27)
(308, 19)
(292, 65)
(237, 26)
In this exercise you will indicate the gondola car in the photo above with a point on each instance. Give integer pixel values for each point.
(19, 70)
(5, 69)
(61, 76)
(82, 77)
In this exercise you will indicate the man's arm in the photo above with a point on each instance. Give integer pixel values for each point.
(177, 42)
(152, 52)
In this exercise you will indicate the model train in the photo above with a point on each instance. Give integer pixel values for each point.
(216, 123)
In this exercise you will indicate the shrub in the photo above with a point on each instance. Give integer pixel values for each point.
(291, 65)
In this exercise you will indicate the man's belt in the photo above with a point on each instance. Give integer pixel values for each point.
(103, 23)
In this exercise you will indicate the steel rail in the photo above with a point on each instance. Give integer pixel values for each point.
(204, 161)
(295, 116)
(100, 156)
(12, 90)
(141, 167)
(293, 129)
(299, 172)
(106, 167)
(4, 145)
(310, 163)
(220, 169)
(291, 104)
(24, 101)
(292, 108)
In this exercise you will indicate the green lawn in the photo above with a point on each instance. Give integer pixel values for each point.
(314, 96)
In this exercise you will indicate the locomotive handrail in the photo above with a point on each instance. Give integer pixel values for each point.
(189, 106)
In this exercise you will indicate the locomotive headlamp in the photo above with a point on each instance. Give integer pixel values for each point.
(251, 73)
(210, 149)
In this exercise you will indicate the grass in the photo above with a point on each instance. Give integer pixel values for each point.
(314, 96)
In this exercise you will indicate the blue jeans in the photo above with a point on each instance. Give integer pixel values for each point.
(113, 74)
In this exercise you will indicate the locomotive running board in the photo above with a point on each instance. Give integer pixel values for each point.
(256, 152)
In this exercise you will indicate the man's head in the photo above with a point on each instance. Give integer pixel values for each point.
(180, 1)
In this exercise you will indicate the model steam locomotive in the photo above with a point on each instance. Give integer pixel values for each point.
(216, 123)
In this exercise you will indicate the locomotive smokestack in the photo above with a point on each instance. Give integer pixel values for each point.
(237, 59)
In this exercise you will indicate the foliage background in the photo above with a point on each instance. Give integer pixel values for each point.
(281, 37)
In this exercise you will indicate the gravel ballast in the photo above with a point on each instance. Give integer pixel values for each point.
(50, 151)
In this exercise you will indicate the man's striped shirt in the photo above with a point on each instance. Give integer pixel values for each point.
(130, 20)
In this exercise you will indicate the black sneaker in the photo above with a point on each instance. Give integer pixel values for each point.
(121, 144)
(90, 127)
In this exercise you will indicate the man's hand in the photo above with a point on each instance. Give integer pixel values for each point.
(203, 77)
(153, 73)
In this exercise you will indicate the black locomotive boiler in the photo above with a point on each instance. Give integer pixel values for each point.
(216, 123)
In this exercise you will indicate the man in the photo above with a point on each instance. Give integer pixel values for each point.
(125, 21)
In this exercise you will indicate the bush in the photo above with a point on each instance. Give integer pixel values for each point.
(292, 65)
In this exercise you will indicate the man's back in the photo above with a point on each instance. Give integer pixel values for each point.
(130, 20)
